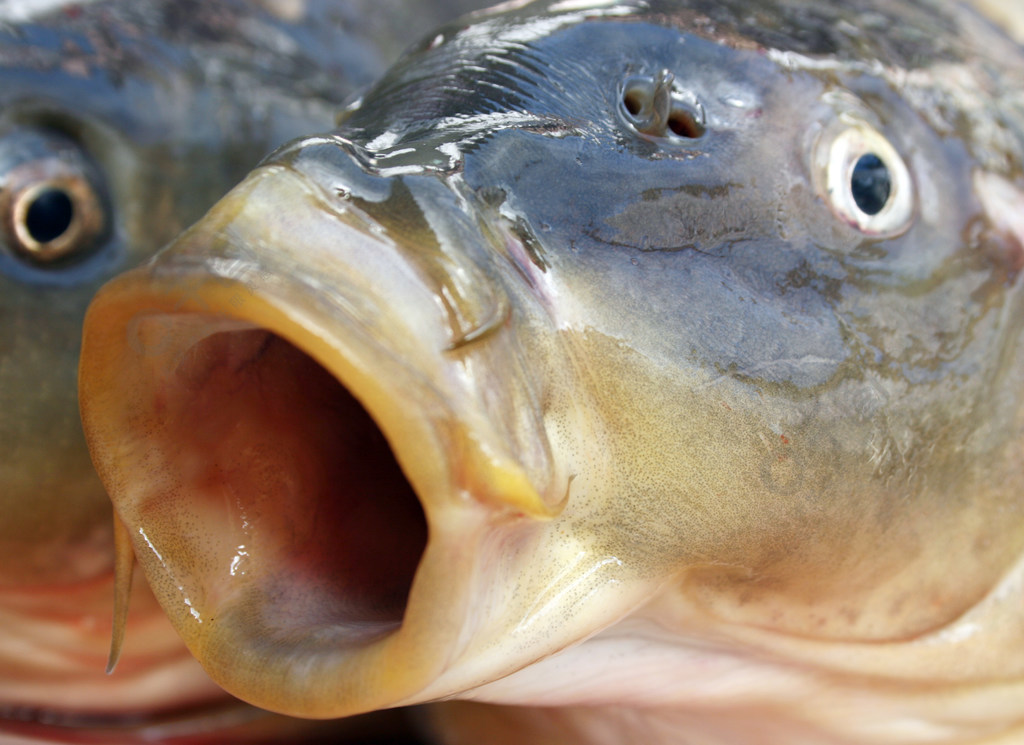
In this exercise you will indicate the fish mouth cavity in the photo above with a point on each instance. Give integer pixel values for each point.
(277, 494)
(294, 495)
(266, 438)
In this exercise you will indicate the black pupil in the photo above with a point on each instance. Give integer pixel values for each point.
(50, 215)
(871, 184)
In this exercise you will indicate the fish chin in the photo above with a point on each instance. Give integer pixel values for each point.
(312, 499)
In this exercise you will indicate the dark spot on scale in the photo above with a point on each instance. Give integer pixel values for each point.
(492, 196)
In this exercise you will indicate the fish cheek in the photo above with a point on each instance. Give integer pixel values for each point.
(799, 484)
(56, 525)
(772, 514)
(72, 188)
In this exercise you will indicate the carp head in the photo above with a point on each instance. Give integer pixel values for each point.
(605, 353)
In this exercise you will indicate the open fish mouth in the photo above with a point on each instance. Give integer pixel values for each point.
(289, 486)
(261, 426)
(302, 477)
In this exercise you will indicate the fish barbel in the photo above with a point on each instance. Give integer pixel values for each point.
(652, 369)
(121, 122)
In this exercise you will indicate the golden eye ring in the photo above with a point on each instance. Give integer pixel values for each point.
(54, 218)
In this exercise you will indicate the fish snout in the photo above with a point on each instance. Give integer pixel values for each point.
(280, 408)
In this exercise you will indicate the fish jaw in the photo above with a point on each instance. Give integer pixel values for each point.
(300, 585)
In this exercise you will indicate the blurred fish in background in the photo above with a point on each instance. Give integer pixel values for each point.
(121, 122)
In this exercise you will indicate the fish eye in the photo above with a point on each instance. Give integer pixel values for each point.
(866, 181)
(50, 204)
(50, 220)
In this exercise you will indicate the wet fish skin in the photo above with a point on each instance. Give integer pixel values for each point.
(153, 110)
(695, 417)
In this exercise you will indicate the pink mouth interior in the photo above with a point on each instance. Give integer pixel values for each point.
(285, 490)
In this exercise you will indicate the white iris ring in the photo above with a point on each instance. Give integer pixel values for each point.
(846, 150)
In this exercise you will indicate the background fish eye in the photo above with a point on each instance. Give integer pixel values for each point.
(51, 202)
(866, 182)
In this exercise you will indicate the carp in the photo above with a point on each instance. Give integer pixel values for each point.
(120, 124)
(643, 371)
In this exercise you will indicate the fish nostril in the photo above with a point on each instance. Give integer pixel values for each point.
(683, 122)
(655, 106)
(632, 99)
(647, 102)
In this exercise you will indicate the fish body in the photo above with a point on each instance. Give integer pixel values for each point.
(120, 124)
(650, 368)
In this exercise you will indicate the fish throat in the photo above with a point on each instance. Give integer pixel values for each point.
(287, 490)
